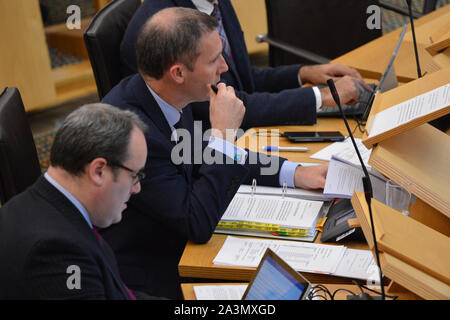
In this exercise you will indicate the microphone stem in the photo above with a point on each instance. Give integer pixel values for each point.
(368, 195)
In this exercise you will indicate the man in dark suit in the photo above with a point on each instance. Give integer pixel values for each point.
(272, 96)
(49, 247)
(188, 188)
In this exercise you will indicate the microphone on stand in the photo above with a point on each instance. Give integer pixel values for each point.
(366, 180)
(419, 73)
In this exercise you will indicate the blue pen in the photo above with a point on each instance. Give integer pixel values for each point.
(297, 149)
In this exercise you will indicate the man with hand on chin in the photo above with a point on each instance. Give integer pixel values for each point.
(183, 201)
(272, 96)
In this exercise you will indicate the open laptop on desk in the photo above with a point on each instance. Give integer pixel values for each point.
(276, 280)
(361, 108)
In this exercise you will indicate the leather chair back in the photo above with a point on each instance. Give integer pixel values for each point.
(328, 28)
(19, 163)
(103, 37)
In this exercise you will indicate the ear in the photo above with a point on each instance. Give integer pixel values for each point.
(96, 171)
(177, 73)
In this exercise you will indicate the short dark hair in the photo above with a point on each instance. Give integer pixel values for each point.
(159, 46)
(93, 131)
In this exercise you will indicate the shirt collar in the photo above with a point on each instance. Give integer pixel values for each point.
(205, 6)
(171, 114)
(71, 198)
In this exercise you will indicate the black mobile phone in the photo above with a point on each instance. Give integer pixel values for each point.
(314, 136)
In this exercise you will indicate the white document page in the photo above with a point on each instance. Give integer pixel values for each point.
(344, 178)
(290, 192)
(308, 257)
(344, 150)
(220, 292)
(410, 109)
(296, 213)
(358, 264)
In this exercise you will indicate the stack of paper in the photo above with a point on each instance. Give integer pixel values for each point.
(220, 292)
(344, 150)
(344, 177)
(305, 257)
(284, 216)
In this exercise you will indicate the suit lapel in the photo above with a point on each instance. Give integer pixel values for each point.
(150, 106)
(153, 111)
(71, 213)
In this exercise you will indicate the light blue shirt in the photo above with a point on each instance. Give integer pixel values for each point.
(172, 116)
(71, 198)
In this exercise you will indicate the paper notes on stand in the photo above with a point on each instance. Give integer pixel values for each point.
(343, 178)
(409, 110)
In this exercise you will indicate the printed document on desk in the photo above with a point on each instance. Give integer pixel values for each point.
(304, 257)
(220, 292)
(344, 150)
(289, 192)
(286, 212)
(343, 178)
(409, 110)
(308, 257)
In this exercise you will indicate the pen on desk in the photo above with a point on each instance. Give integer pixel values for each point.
(295, 149)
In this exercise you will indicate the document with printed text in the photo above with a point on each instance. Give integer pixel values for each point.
(289, 212)
(220, 292)
(410, 109)
(303, 257)
(344, 150)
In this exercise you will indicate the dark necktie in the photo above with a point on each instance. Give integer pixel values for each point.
(226, 45)
(180, 123)
(100, 241)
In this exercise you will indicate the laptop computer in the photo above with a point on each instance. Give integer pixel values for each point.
(274, 279)
(361, 108)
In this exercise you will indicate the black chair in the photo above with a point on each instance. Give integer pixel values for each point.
(103, 37)
(323, 29)
(19, 163)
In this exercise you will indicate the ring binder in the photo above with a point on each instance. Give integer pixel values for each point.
(253, 187)
(284, 190)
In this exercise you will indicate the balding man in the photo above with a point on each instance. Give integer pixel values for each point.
(272, 96)
(184, 200)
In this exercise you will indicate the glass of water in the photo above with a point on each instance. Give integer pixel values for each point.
(397, 197)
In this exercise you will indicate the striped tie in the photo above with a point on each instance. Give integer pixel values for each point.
(226, 46)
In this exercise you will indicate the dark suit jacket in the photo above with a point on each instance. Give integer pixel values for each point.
(41, 234)
(176, 203)
(271, 95)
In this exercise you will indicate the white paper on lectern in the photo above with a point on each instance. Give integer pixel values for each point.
(220, 292)
(410, 109)
(308, 257)
(344, 150)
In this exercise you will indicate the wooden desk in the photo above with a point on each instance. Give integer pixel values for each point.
(372, 58)
(189, 294)
(197, 259)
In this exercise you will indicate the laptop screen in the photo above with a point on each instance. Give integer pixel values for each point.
(276, 280)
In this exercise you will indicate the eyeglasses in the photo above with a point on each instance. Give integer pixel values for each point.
(137, 176)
